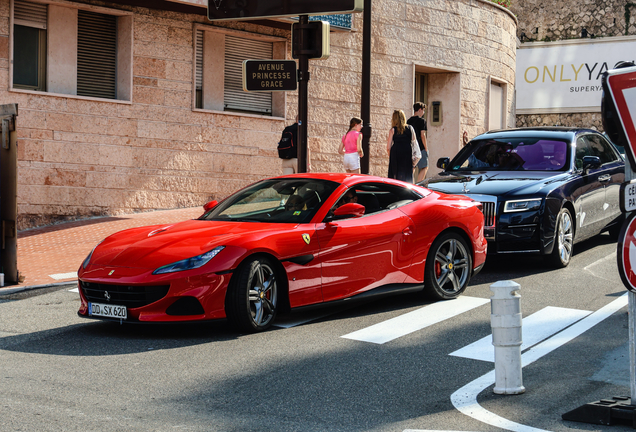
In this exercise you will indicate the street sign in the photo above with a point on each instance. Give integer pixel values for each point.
(318, 43)
(621, 84)
(626, 253)
(627, 196)
(269, 75)
(219, 10)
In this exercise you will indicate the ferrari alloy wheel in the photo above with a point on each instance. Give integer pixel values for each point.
(563, 240)
(252, 296)
(448, 267)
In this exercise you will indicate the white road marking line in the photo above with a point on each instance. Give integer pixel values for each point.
(609, 257)
(74, 290)
(59, 276)
(536, 327)
(465, 399)
(416, 320)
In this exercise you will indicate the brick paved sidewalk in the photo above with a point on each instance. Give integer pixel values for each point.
(53, 254)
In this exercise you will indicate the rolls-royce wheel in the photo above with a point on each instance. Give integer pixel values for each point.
(563, 240)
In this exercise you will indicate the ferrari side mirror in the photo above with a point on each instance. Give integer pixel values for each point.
(209, 206)
(349, 210)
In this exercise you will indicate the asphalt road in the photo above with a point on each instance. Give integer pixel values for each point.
(61, 372)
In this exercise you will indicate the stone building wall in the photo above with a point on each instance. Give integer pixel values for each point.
(542, 20)
(80, 157)
(474, 40)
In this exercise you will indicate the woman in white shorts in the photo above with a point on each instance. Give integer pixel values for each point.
(351, 146)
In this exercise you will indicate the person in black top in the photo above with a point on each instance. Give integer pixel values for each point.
(419, 124)
(399, 148)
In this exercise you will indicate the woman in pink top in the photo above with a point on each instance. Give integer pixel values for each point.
(351, 146)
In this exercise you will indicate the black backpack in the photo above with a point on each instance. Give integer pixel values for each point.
(287, 144)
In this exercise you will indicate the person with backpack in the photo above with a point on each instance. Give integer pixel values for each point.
(419, 124)
(288, 148)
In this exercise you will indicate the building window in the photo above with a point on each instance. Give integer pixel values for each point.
(497, 112)
(64, 50)
(29, 35)
(218, 74)
(421, 88)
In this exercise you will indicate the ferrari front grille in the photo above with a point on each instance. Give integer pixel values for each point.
(131, 296)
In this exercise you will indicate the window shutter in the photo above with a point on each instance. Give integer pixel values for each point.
(198, 69)
(235, 99)
(199, 60)
(96, 55)
(29, 14)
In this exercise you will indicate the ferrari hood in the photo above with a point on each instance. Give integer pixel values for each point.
(154, 246)
(493, 183)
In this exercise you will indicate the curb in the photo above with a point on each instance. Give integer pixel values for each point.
(9, 291)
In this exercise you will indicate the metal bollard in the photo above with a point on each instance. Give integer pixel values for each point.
(505, 320)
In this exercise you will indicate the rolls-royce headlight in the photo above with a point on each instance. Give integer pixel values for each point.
(522, 205)
(190, 263)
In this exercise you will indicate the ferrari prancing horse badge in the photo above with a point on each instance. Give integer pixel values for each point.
(306, 238)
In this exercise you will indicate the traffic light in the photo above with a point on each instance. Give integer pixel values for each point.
(311, 39)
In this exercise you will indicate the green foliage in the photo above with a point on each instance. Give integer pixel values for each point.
(504, 3)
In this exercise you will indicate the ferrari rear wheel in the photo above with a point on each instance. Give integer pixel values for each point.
(252, 296)
(448, 267)
(563, 240)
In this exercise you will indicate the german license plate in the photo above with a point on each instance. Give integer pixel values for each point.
(106, 310)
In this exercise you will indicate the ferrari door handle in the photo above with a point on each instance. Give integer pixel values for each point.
(407, 231)
(604, 178)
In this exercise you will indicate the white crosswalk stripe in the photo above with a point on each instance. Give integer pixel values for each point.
(416, 320)
(535, 328)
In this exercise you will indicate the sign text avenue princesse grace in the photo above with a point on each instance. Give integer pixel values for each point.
(269, 75)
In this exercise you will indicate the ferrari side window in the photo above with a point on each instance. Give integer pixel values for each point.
(377, 197)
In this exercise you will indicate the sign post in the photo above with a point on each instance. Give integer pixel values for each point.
(619, 115)
(618, 108)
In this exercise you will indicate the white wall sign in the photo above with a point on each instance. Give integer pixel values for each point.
(565, 76)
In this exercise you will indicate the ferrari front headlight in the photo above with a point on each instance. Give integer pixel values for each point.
(522, 205)
(190, 263)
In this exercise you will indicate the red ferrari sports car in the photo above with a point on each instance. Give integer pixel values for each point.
(283, 243)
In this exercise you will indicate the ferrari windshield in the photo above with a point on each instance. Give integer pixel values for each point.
(288, 200)
(512, 154)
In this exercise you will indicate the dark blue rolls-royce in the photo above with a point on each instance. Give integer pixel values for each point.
(542, 189)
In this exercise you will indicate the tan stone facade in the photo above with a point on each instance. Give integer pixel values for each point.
(82, 156)
(542, 20)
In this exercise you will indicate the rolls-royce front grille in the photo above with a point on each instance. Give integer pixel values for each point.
(131, 296)
(489, 214)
